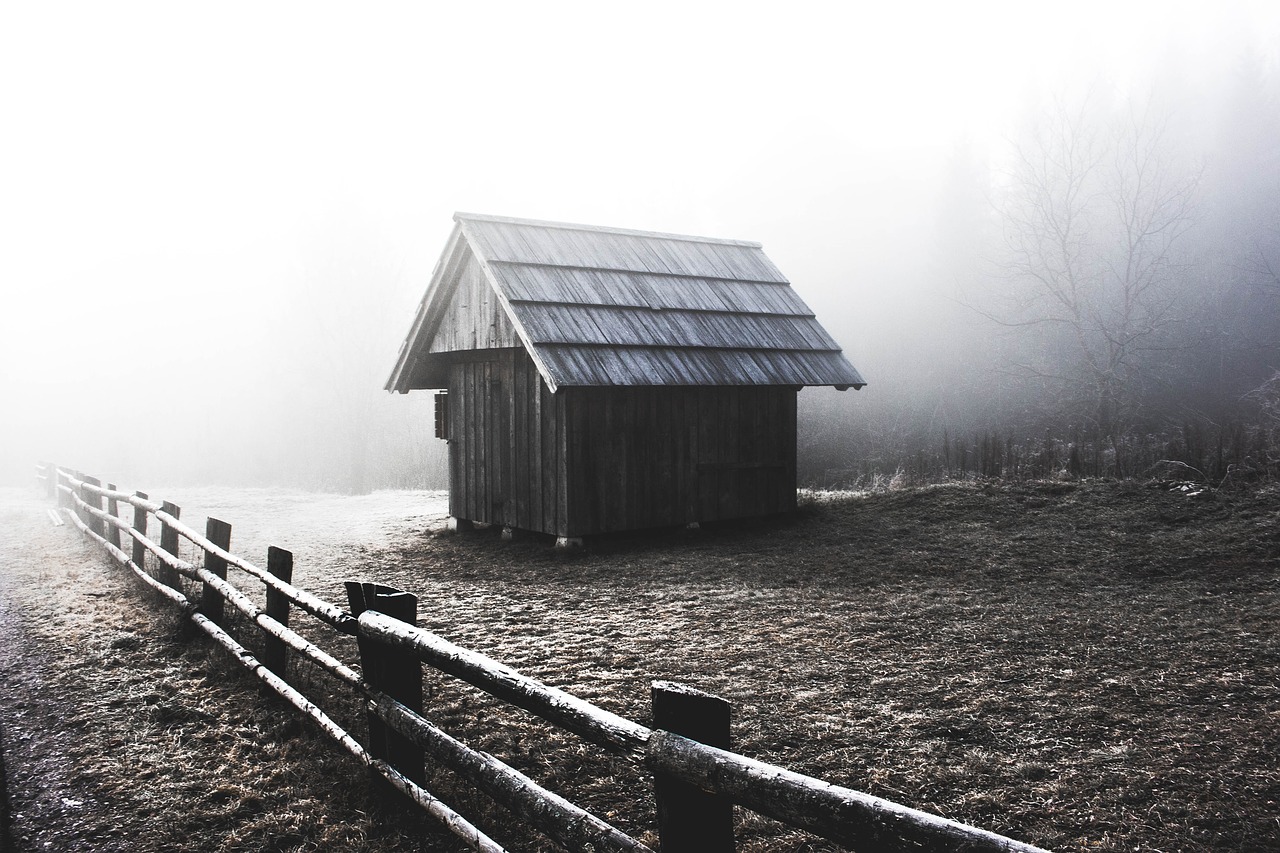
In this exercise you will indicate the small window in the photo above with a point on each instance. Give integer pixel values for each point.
(442, 415)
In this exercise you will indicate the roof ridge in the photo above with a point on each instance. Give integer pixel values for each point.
(628, 232)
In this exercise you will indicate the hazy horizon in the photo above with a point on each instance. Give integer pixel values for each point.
(215, 224)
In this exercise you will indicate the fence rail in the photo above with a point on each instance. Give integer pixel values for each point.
(388, 682)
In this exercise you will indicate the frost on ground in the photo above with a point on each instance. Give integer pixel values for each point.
(122, 731)
(1079, 665)
(314, 526)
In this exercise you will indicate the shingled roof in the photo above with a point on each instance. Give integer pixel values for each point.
(607, 306)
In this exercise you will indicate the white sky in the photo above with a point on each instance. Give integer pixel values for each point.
(168, 168)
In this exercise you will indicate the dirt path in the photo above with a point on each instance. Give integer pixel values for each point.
(120, 732)
(46, 704)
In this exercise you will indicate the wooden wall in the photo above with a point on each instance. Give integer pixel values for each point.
(592, 460)
(506, 453)
(474, 318)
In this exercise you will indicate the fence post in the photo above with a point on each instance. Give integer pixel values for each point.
(113, 509)
(140, 525)
(77, 492)
(51, 480)
(219, 533)
(280, 564)
(391, 671)
(97, 525)
(169, 544)
(691, 820)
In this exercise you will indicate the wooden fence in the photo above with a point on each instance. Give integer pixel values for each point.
(697, 780)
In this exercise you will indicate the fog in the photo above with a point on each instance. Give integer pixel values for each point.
(215, 224)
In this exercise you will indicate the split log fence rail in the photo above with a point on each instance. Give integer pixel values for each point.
(697, 780)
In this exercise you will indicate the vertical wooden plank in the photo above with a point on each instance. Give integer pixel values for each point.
(642, 462)
(685, 485)
(631, 402)
(565, 401)
(464, 436)
(474, 401)
(508, 493)
(645, 459)
(610, 475)
(515, 447)
(550, 473)
(664, 495)
(520, 434)
(169, 544)
(691, 820)
(211, 603)
(113, 510)
(586, 480)
(771, 452)
(789, 425)
(657, 485)
(477, 448)
(572, 487)
(456, 441)
(501, 434)
(274, 651)
(751, 400)
(731, 432)
(786, 450)
(140, 515)
(655, 494)
(533, 391)
(498, 436)
(484, 430)
(481, 436)
(708, 482)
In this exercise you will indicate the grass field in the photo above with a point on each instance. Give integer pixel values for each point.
(1079, 665)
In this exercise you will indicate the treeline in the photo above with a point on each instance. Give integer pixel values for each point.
(1106, 302)
(1234, 454)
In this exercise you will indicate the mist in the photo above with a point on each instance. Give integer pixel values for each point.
(215, 225)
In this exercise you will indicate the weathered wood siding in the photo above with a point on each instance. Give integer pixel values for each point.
(474, 318)
(506, 451)
(658, 456)
(591, 460)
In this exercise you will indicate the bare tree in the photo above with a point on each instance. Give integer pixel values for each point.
(1094, 208)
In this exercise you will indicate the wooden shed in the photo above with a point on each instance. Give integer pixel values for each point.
(600, 379)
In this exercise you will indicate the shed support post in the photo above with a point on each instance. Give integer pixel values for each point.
(392, 671)
(219, 533)
(691, 820)
(565, 543)
(274, 651)
(460, 525)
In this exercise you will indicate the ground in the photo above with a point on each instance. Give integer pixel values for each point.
(1079, 665)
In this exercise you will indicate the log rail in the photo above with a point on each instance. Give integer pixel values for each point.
(842, 815)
